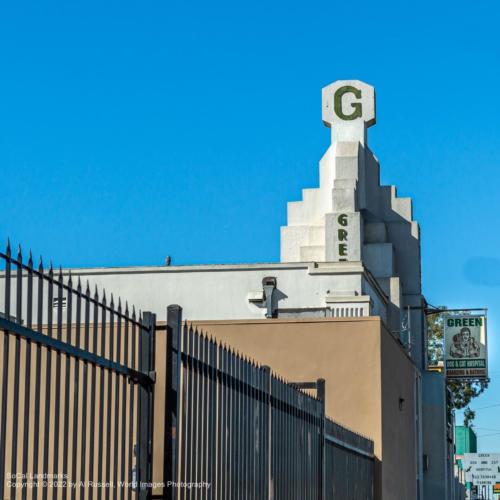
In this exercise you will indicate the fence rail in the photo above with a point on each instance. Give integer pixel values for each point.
(75, 384)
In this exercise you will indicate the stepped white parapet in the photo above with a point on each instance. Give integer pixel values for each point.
(335, 222)
(350, 216)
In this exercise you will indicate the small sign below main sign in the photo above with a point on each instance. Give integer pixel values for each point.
(482, 468)
(466, 355)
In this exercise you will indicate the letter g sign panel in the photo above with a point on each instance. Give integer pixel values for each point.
(348, 101)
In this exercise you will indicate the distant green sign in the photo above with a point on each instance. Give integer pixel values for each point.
(466, 355)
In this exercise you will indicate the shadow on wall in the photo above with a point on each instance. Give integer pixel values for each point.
(483, 271)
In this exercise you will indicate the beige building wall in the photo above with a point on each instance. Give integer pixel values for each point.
(366, 371)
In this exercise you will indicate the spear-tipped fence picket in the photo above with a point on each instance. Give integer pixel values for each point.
(75, 386)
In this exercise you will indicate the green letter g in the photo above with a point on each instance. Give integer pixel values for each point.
(337, 103)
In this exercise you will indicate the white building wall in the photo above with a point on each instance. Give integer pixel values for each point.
(236, 291)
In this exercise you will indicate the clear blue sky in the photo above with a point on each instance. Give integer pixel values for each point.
(134, 130)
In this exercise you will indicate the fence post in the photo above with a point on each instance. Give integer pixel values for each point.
(320, 387)
(145, 420)
(174, 329)
(269, 436)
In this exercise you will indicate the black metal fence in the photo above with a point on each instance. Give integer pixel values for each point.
(349, 464)
(76, 407)
(76, 388)
(244, 433)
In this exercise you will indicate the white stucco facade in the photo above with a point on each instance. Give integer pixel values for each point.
(350, 217)
(236, 291)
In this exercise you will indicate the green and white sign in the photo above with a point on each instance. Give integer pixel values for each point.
(481, 469)
(466, 355)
